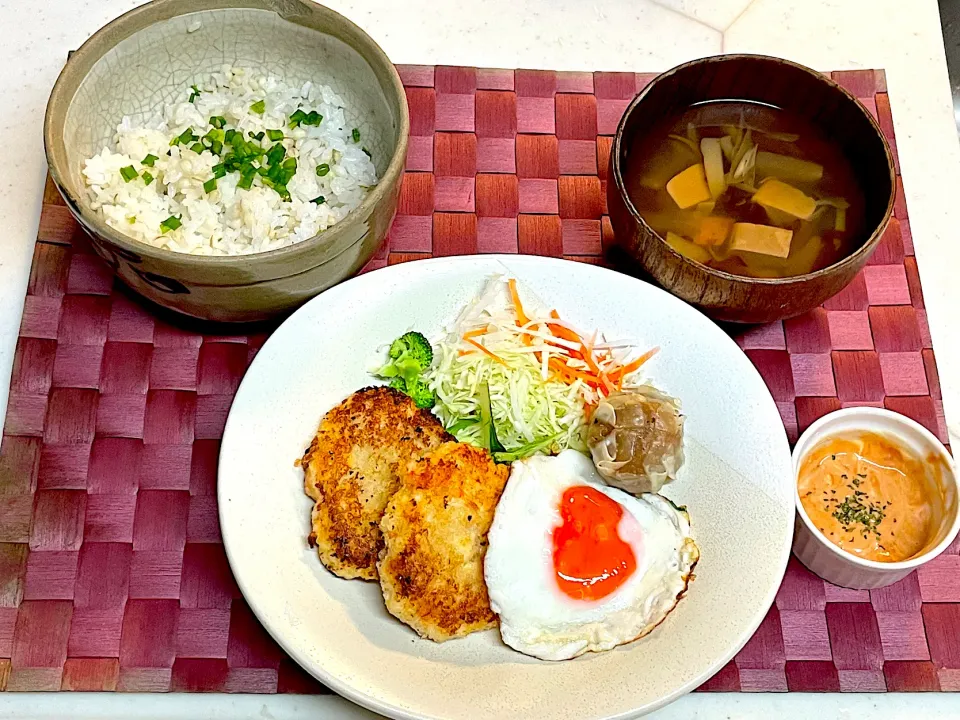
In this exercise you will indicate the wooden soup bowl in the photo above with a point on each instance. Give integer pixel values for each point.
(798, 90)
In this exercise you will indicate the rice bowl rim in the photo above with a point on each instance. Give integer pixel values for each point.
(81, 61)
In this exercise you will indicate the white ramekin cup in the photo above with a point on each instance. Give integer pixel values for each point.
(827, 560)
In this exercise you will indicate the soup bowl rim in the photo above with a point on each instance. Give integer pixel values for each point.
(854, 259)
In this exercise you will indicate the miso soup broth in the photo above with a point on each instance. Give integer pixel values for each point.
(747, 188)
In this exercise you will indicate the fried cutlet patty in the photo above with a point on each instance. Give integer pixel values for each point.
(350, 470)
(435, 538)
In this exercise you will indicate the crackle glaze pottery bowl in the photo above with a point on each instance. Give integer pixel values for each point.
(795, 89)
(138, 62)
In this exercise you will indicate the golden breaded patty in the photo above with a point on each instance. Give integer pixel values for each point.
(350, 470)
(435, 538)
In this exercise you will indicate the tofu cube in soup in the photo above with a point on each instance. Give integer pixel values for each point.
(761, 239)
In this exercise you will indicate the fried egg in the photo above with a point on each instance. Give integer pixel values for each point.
(575, 566)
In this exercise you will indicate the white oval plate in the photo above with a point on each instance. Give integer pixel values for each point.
(736, 482)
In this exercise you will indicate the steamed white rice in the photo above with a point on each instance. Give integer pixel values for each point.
(231, 220)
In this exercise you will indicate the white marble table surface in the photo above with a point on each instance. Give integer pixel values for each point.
(636, 35)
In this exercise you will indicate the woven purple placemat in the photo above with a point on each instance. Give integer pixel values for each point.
(112, 572)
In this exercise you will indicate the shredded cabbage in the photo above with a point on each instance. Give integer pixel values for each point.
(525, 407)
(534, 409)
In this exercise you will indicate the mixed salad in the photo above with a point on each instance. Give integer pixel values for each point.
(511, 375)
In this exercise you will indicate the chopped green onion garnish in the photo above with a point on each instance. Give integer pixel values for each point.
(312, 118)
(195, 94)
(246, 177)
(367, 152)
(322, 170)
(219, 170)
(149, 160)
(288, 168)
(256, 136)
(210, 185)
(171, 223)
(132, 219)
(275, 154)
(275, 135)
(297, 117)
(259, 107)
(319, 200)
(129, 173)
(197, 148)
(229, 135)
(356, 135)
(187, 136)
(147, 178)
(218, 121)
(216, 147)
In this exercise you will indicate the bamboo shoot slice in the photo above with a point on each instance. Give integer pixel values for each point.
(840, 222)
(780, 196)
(726, 144)
(788, 169)
(713, 166)
(687, 249)
(804, 260)
(779, 217)
(687, 143)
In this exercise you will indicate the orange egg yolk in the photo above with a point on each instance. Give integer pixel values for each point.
(590, 558)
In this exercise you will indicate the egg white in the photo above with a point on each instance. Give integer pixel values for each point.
(536, 617)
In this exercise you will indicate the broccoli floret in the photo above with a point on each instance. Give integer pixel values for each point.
(418, 390)
(414, 345)
(410, 354)
(421, 394)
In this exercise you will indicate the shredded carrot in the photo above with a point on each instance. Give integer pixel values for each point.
(568, 373)
(522, 318)
(484, 350)
(474, 333)
(588, 359)
(561, 332)
(635, 365)
(601, 377)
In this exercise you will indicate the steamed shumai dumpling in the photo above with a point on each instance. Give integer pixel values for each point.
(636, 439)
